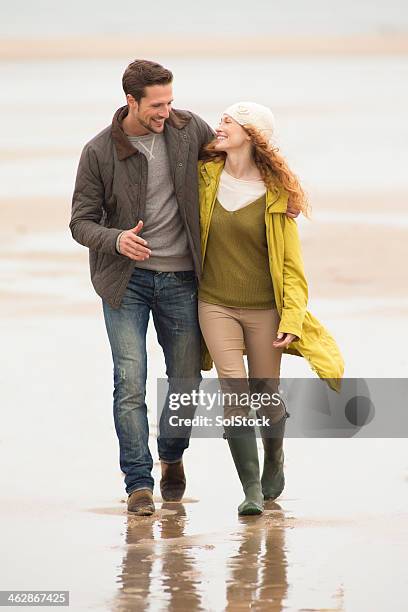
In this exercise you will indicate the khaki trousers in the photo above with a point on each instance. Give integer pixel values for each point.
(227, 331)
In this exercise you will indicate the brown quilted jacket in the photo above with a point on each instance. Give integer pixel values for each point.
(110, 195)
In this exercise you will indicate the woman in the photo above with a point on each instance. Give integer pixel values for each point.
(253, 291)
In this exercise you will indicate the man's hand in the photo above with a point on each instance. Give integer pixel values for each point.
(131, 245)
(283, 340)
(291, 212)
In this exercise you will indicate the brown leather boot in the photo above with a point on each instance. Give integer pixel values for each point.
(141, 502)
(173, 481)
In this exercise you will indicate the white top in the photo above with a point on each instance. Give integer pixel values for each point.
(234, 193)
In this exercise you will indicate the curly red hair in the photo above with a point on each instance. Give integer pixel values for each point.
(272, 166)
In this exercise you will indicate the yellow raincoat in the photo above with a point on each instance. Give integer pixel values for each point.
(289, 283)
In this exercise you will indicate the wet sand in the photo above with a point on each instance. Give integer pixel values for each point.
(35, 242)
(335, 540)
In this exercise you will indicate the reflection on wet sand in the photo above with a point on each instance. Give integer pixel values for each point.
(162, 568)
(180, 574)
(137, 565)
(172, 570)
(258, 576)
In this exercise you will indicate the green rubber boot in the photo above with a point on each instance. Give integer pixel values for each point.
(244, 452)
(273, 477)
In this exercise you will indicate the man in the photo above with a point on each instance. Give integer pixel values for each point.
(144, 168)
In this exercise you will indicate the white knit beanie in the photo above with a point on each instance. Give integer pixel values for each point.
(261, 117)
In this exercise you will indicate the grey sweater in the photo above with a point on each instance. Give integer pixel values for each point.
(163, 228)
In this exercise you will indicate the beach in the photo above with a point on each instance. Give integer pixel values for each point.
(336, 538)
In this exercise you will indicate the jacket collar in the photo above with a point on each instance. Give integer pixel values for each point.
(275, 203)
(177, 120)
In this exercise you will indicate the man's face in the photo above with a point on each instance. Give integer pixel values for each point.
(153, 109)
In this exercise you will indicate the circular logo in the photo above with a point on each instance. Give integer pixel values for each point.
(359, 410)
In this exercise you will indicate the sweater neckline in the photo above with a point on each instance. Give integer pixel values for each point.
(234, 212)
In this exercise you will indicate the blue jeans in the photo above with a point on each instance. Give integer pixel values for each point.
(172, 298)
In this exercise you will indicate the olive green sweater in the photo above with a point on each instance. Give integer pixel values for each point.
(236, 267)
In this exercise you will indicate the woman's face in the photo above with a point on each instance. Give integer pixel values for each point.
(230, 135)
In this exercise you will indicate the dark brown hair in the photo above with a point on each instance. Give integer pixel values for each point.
(142, 73)
(272, 166)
